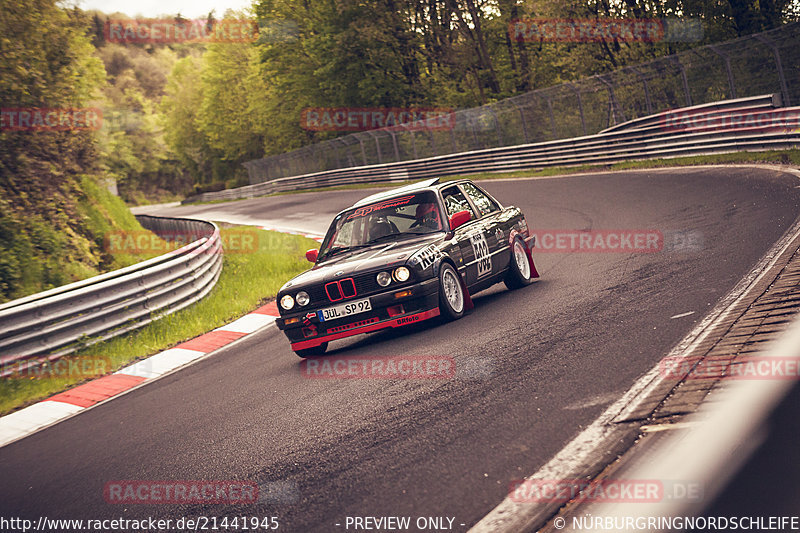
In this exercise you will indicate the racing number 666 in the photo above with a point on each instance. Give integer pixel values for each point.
(481, 249)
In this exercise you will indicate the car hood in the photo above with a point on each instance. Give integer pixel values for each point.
(388, 255)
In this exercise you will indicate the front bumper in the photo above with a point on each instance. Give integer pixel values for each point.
(421, 304)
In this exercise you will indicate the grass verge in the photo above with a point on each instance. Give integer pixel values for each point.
(249, 277)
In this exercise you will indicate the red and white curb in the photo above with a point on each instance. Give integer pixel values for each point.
(31, 419)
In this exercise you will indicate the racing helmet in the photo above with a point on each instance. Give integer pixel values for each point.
(427, 215)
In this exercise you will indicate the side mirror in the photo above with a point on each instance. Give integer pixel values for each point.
(459, 218)
(312, 254)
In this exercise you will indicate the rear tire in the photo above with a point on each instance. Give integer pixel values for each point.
(451, 293)
(519, 267)
(311, 352)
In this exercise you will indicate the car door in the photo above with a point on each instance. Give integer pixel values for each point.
(470, 236)
(492, 219)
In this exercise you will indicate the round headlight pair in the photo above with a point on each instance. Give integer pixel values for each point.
(287, 302)
(400, 274)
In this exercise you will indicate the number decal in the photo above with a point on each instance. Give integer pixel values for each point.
(482, 256)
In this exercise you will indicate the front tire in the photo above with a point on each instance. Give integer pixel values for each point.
(311, 352)
(451, 293)
(519, 267)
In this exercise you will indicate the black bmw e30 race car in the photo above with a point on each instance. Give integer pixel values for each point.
(403, 256)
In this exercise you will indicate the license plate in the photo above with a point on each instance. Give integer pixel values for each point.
(341, 311)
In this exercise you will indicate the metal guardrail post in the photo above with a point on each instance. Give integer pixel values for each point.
(394, 143)
(454, 118)
(524, 124)
(413, 140)
(377, 145)
(776, 51)
(685, 79)
(363, 152)
(577, 92)
(727, 60)
(496, 125)
(646, 89)
(612, 101)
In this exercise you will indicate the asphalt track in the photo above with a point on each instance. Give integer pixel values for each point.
(534, 367)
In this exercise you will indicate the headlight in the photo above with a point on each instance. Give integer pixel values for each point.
(401, 274)
(384, 279)
(303, 298)
(287, 302)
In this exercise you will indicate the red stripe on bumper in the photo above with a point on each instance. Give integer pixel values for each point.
(400, 321)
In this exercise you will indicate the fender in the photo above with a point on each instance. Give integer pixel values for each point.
(512, 235)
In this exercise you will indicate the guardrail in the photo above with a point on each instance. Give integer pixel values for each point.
(760, 63)
(645, 138)
(49, 324)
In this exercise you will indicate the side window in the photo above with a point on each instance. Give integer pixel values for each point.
(482, 202)
(455, 201)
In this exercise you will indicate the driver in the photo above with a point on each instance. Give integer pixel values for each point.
(427, 216)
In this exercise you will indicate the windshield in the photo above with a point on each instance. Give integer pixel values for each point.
(383, 221)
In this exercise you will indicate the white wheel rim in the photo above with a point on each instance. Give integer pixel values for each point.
(452, 291)
(522, 260)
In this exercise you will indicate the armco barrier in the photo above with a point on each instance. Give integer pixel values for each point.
(645, 138)
(52, 323)
(760, 63)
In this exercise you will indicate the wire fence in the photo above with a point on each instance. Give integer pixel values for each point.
(758, 64)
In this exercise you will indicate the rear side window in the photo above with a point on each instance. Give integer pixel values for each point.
(481, 200)
(455, 201)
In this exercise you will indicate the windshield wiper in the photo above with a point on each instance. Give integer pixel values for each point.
(422, 232)
(381, 238)
(340, 249)
(401, 234)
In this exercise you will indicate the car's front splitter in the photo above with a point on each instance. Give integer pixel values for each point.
(391, 323)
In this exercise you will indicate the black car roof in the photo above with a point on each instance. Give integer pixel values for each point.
(431, 184)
